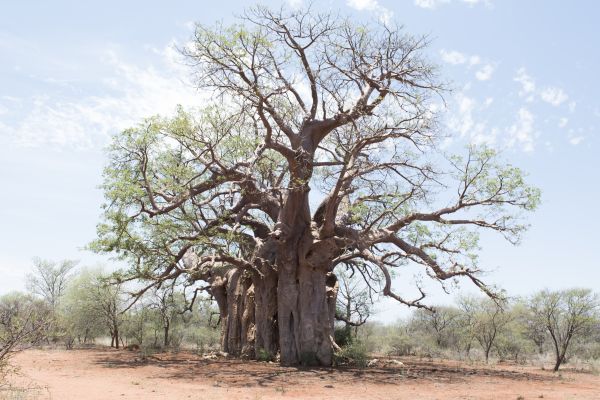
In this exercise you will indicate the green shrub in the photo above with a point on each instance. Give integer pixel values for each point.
(354, 354)
(343, 336)
(402, 345)
(263, 355)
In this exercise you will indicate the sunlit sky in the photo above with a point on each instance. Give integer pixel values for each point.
(524, 79)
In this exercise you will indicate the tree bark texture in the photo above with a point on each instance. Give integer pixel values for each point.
(291, 312)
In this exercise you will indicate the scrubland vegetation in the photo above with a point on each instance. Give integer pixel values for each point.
(69, 307)
(226, 253)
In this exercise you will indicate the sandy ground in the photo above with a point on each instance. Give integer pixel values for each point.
(111, 374)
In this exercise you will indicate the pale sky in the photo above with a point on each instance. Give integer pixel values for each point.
(524, 74)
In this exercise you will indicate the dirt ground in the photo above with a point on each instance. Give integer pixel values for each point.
(110, 374)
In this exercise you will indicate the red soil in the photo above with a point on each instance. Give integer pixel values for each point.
(111, 374)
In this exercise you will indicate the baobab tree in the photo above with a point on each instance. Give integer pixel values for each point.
(317, 148)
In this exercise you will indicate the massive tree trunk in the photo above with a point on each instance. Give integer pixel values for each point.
(265, 298)
(231, 291)
(305, 308)
(291, 311)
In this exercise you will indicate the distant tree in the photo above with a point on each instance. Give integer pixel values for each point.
(163, 299)
(486, 319)
(23, 322)
(137, 320)
(566, 314)
(79, 317)
(513, 341)
(532, 327)
(103, 299)
(355, 298)
(49, 279)
(441, 323)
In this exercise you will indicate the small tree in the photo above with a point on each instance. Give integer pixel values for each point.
(355, 299)
(533, 328)
(23, 321)
(49, 279)
(566, 314)
(102, 299)
(137, 321)
(78, 315)
(163, 300)
(440, 323)
(487, 321)
(513, 342)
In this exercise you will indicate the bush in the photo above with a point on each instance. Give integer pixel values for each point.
(263, 355)
(23, 323)
(176, 340)
(343, 336)
(354, 354)
(402, 345)
(204, 338)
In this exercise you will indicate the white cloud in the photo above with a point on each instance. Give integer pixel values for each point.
(296, 3)
(430, 4)
(485, 73)
(474, 60)
(575, 140)
(383, 13)
(128, 95)
(457, 58)
(563, 122)
(462, 121)
(433, 4)
(527, 84)
(453, 57)
(522, 131)
(363, 4)
(553, 95)
(475, 2)
(550, 94)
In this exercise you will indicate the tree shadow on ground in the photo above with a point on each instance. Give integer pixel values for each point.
(230, 372)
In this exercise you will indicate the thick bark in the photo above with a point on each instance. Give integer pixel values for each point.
(235, 298)
(166, 334)
(265, 298)
(292, 311)
(306, 304)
